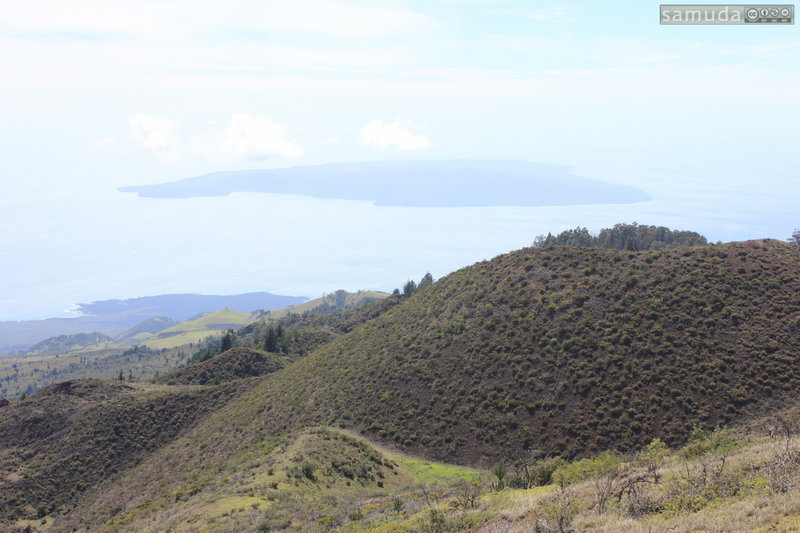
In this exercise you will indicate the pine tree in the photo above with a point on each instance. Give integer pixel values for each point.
(226, 343)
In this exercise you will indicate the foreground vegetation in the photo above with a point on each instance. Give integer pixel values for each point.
(326, 479)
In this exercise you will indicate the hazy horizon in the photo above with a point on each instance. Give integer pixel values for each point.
(702, 119)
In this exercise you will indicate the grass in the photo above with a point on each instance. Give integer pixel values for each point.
(193, 331)
(348, 476)
(429, 472)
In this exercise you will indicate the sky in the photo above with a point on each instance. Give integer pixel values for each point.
(97, 95)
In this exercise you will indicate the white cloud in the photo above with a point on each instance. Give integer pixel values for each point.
(381, 135)
(156, 135)
(256, 138)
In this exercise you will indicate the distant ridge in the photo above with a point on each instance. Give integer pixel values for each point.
(410, 184)
(66, 343)
(184, 306)
(115, 317)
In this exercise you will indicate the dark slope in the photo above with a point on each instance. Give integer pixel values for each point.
(73, 435)
(65, 343)
(565, 349)
(230, 365)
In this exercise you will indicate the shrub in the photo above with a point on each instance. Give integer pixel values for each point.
(652, 457)
(557, 512)
(703, 442)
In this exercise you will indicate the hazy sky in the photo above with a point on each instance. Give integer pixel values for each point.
(101, 94)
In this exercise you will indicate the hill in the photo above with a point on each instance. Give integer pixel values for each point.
(550, 350)
(189, 331)
(214, 324)
(146, 329)
(311, 324)
(76, 434)
(227, 366)
(70, 343)
(565, 349)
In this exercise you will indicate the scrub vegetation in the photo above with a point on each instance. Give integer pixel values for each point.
(555, 388)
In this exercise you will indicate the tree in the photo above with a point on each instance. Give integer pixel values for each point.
(226, 342)
(271, 340)
(425, 282)
(629, 245)
(795, 238)
(409, 288)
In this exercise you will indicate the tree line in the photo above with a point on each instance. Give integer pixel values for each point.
(633, 237)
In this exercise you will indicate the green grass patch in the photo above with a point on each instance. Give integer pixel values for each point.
(430, 472)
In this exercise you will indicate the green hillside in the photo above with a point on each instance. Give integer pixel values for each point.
(214, 324)
(548, 351)
(191, 331)
(64, 344)
(230, 365)
(146, 329)
(565, 349)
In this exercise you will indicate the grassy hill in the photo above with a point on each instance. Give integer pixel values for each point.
(192, 331)
(146, 329)
(565, 349)
(227, 366)
(79, 342)
(547, 351)
(214, 324)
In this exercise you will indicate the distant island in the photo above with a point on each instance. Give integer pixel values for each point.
(411, 184)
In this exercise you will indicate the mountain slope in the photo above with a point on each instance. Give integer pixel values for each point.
(145, 329)
(232, 364)
(73, 435)
(568, 350)
(211, 324)
(564, 350)
(78, 342)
